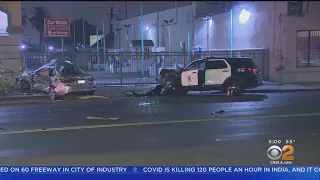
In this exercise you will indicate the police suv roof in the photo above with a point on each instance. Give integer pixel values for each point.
(228, 58)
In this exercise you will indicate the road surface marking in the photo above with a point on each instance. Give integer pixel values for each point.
(102, 118)
(153, 123)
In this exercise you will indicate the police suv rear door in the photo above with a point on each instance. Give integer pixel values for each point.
(217, 71)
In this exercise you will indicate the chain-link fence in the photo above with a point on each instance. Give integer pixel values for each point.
(133, 67)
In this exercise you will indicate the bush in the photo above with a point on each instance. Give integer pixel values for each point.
(8, 79)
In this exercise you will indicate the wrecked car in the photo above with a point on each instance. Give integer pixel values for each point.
(58, 78)
(210, 73)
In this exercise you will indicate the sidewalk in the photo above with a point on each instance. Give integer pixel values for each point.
(267, 87)
(23, 98)
(275, 87)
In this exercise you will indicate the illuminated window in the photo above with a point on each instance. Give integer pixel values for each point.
(3, 24)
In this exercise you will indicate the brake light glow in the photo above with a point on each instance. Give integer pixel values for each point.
(64, 81)
(250, 70)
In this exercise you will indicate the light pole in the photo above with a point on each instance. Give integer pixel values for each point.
(118, 32)
(208, 20)
(127, 26)
(168, 23)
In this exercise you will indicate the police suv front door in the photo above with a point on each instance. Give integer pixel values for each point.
(192, 76)
(217, 71)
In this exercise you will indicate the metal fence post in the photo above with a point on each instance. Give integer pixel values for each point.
(266, 62)
(121, 65)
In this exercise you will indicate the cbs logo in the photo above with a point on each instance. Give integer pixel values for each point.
(276, 153)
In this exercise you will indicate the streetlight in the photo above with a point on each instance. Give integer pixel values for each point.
(208, 19)
(168, 23)
(127, 26)
(244, 16)
(147, 28)
(118, 31)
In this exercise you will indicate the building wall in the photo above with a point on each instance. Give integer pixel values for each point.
(292, 24)
(261, 30)
(150, 21)
(10, 45)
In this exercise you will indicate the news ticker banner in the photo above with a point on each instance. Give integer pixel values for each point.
(158, 170)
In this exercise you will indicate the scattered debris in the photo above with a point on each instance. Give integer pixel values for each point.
(102, 118)
(92, 97)
(169, 84)
(220, 112)
(153, 92)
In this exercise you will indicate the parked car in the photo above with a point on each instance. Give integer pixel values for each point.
(212, 73)
(58, 78)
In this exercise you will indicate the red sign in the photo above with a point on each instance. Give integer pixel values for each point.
(57, 27)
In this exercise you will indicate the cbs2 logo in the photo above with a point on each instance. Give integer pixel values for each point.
(275, 153)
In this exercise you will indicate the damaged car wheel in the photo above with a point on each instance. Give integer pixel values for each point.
(53, 95)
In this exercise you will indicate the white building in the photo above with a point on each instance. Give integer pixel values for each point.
(150, 28)
(291, 40)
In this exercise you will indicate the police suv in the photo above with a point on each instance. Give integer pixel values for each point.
(214, 73)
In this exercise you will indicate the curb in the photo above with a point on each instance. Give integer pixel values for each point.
(127, 85)
(23, 98)
(279, 90)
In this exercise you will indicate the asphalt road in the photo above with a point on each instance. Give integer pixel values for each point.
(161, 130)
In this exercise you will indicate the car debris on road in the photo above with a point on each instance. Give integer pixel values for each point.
(218, 112)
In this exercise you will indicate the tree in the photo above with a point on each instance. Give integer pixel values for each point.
(38, 14)
(24, 18)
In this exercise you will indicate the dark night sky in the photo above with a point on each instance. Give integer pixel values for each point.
(93, 11)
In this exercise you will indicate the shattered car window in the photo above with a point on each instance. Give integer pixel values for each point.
(69, 69)
(44, 72)
(194, 65)
(218, 64)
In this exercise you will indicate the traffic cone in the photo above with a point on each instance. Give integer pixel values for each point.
(228, 91)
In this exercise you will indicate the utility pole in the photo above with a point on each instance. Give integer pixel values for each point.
(118, 32)
(127, 26)
(126, 8)
(207, 19)
(112, 15)
(112, 23)
(168, 23)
